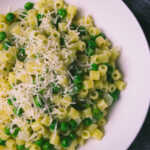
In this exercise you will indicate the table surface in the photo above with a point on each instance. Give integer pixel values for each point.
(141, 9)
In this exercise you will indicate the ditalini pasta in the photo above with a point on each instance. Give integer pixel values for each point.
(58, 78)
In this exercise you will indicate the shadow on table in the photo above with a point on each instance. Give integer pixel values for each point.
(142, 141)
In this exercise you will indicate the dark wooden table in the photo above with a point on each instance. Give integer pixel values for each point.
(141, 9)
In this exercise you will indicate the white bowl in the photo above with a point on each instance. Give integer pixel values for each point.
(122, 28)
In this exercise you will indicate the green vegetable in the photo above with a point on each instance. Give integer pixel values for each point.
(33, 79)
(97, 114)
(2, 36)
(89, 51)
(72, 136)
(7, 131)
(77, 79)
(74, 69)
(39, 142)
(100, 93)
(21, 54)
(91, 44)
(20, 147)
(87, 121)
(10, 17)
(28, 5)
(55, 88)
(2, 142)
(80, 105)
(94, 67)
(9, 101)
(39, 18)
(14, 99)
(42, 91)
(47, 146)
(82, 30)
(73, 27)
(23, 15)
(56, 21)
(6, 45)
(65, 142)
(115, 95)
(38, 101)
(15, 133)
(62, 41)
(109, 72)
(76, 89)
(73, 124)
(64, 127)
(62, 13)
(102, 35)
(53, 125)
(18, 111)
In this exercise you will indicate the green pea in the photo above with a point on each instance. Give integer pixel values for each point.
(73, 124)
(73, 27)
(64, 127)
(82, 30)
(21, 54)
(65, 142)
(77, 79)
(97, 114)
(53, 125)
(62, 12)
(91, 44)
(39, 142)
(16, 132)
(87, 121)
(2, 142)
(10, 17)
(7, 131)
(6, 45)
(94, 67)
(28, 5)
(115, 95)
(89, 51)
(47, 146)
(38, 101)
(2, 36)
(20, 147)
(9, 101)
(72, 136)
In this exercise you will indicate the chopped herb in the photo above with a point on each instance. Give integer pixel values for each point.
(38, 101)
(6, 45)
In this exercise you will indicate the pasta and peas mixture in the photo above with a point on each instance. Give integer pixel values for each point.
(58, 78)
